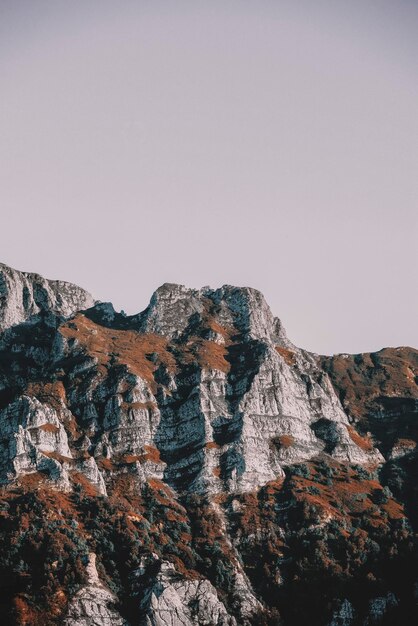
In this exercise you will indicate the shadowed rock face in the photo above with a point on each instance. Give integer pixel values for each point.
(196, 439)
(379, 392)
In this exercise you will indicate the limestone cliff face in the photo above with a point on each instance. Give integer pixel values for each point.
(202, 390)
(23, 295)
(169, 599)
(93, 603)
(199, 405)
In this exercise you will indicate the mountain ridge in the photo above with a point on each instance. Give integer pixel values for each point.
(216, 447)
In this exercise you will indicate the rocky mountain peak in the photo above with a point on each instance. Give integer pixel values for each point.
(189, 465)
(173, 308)
(23, 295)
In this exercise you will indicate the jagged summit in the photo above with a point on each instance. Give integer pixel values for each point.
(172, 307)
(23, 295)
(174, 310)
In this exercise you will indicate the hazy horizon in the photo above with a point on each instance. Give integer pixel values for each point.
(264, 144)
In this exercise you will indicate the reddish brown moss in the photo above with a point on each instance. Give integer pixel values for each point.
(405, 443)
(151, 454)
(105, 464)
(283, 441)
(288, 355)
(56, 456)
(362, 442)
(87, 486)
(31, 481)
(52, 393)
(125, 347)
(212, 445)
(49, 428)
(211, 355)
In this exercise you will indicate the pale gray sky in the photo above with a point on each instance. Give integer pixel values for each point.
(266, 143)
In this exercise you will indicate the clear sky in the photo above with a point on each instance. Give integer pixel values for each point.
(272, 144)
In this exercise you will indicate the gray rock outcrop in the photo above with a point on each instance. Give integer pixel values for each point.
(23, 295)
(93, 604)
(169, 599)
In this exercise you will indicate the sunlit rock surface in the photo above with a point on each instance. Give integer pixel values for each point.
(23, 295)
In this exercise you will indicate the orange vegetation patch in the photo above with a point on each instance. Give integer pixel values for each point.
(219, 498)
(211, 355)
(405, 443)
(216, 472)
(362, 442)
(188, 572)
(105, 464)
(49, 393)
(56, 456)
(135, 517)
(394, 509)
(185, 538)
(128, 459)
(211, 323)
(273, 486)
(124, 347)
(288, 355)
(161, 486)
(59, 599)
(335, 501)
(25, 613)
(152, 454)
(31, 481)
(126, 486)
(71, 427)
(88, 488)
(283, 441)
(347, 496)
(212, 445)
(49, 428)
(173, 516)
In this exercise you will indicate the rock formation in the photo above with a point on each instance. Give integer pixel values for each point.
(93, 603)
(24, 295)
(221, 475)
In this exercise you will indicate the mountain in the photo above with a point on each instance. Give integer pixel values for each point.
(189, 465)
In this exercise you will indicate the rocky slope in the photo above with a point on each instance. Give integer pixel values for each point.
(190, 465)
